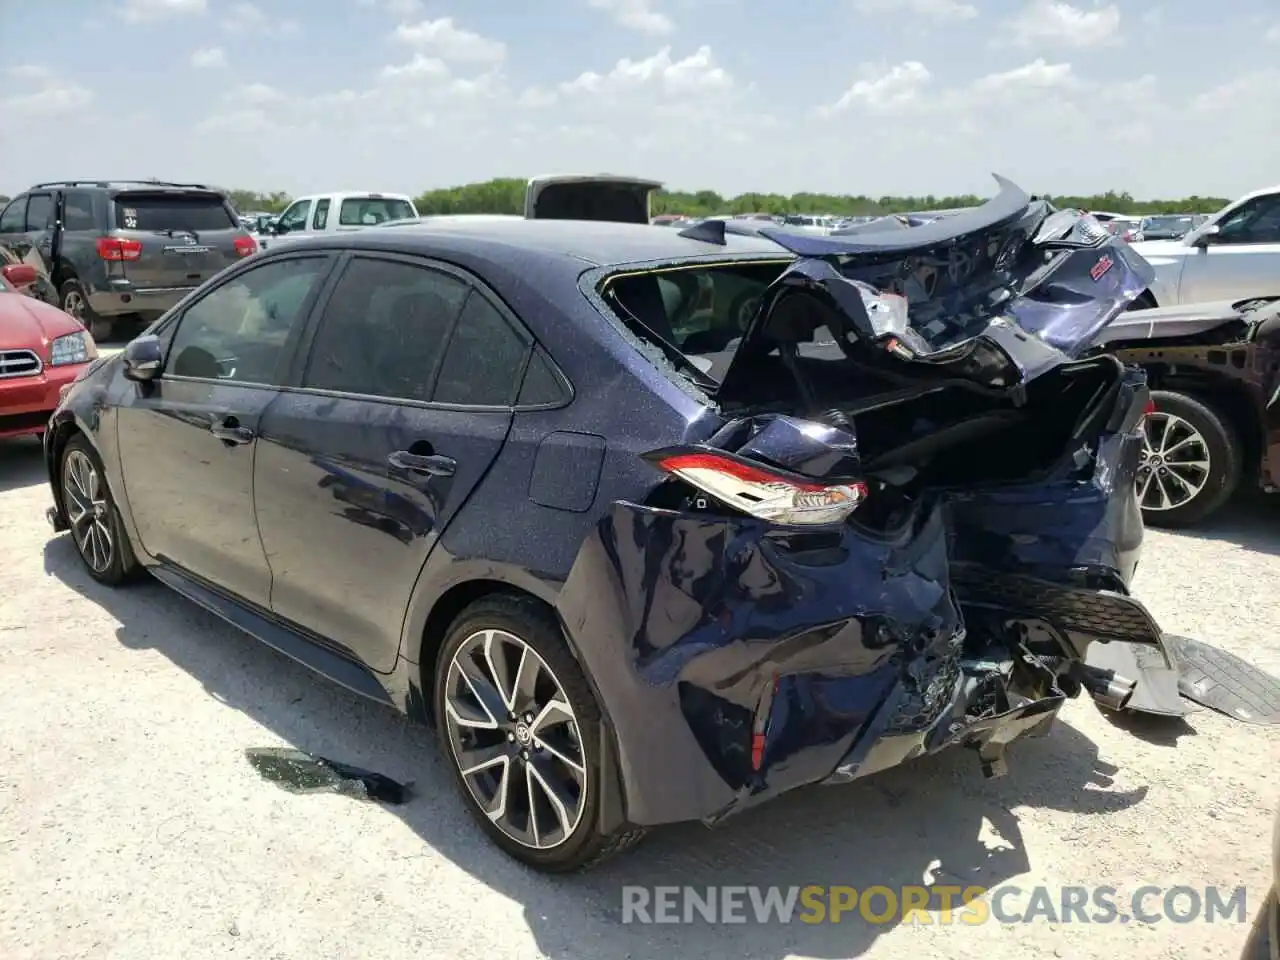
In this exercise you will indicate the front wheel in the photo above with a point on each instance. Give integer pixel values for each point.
(92, 516)
(1191, 461)
(520, 727)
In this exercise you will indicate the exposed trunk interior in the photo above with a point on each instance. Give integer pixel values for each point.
(612, 200)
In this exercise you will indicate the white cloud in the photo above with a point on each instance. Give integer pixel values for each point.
(416, 69)
(1037, 75)
(141, 11)
(939, 10)
(449, 42)
(403, 8)
(249, 18)
(208, 57)
(1273, 34)
(638, 15)
(694, 75)
(886, 89)
(47, 94)
(1053, 22)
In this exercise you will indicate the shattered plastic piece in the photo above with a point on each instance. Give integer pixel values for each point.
(1154, 669)
(300, 772)
(1223, 682)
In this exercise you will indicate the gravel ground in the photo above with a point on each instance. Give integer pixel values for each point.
(132, 826)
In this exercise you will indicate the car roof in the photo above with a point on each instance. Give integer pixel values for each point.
(571, 242)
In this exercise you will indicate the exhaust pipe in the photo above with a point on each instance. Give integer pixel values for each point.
(1107, 687)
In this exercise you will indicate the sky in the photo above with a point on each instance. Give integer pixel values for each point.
(1162, 99)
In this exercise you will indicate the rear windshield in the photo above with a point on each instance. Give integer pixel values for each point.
(163, 212)
(370, 211)
(702, 312)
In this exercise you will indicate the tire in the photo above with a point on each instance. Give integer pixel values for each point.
(99, 538)
(1218, 444)
(482, 634)
(1264, 935)
(73, 300)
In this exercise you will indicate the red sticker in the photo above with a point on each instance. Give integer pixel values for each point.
(1100, 268)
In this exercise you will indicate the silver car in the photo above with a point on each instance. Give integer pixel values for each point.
(1232, 256)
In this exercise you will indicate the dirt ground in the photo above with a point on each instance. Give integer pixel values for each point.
(132, 826)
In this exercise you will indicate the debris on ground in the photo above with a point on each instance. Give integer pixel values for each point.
(301, 772)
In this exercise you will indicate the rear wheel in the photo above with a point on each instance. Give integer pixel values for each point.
(1191, 461)
(520, 726)
(75, 301)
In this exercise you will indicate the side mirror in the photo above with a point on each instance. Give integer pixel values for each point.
(1206, 236)
(143, 359)
(20, 274)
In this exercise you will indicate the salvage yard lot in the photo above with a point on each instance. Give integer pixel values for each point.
(132, 826)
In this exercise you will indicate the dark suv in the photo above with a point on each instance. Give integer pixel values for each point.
(120, 251)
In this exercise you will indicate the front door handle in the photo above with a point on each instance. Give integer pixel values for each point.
(433, 464)
(228, 430)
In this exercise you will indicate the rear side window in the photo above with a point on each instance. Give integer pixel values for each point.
(187, 213)
(321, 216)
(40, 211)
(485, 359)
(77, 211)
(384, 329)
(542, 385)
(370, 211)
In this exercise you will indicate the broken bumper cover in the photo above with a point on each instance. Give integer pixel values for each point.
(735, 662)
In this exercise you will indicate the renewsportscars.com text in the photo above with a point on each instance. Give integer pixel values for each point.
(937, 904)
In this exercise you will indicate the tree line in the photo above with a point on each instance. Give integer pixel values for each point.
(506, 195)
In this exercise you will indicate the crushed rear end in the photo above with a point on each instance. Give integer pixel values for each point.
(912, 516)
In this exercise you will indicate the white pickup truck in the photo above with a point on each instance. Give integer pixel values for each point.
(338, 211)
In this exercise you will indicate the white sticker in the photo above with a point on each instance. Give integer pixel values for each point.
(130, 218)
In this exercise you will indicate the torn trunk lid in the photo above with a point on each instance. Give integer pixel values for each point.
(996, 296)
(589, 197)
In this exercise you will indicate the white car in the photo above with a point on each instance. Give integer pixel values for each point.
(1234, 255)
(338, 211)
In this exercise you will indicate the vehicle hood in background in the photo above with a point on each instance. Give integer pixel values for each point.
(997, 295)
(589, 197)
(1177, 321)
(30, 324)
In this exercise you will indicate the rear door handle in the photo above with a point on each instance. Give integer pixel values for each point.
(433, 464)
(228, 430)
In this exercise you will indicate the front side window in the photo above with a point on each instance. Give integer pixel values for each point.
(371, 211)
(238, 331)
(14, 217)
(1258, 221)
(294, 218)
(384, 330)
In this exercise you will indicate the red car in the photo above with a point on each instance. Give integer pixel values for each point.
(42, 350)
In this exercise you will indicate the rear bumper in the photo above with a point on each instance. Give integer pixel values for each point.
(26, 403)
(119, 297)
(736, 661)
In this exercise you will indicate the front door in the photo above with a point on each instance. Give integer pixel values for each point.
(1243, 259)
(188, 439)
(359, 472)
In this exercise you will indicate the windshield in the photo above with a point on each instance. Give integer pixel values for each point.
(190, 213)
(1167, 224)
(370, 211)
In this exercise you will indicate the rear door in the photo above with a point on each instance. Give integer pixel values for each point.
(405, 402)
(186, 236)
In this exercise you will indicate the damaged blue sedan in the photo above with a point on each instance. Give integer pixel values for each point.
(653, 525)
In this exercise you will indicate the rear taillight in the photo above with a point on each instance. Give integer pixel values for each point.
(118, 250)
(246, 246)
(1150, 408)
(762, 492)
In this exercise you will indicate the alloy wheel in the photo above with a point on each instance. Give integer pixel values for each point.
(1175, 462)
(515, 739)
(88, 512)
(73, 303)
